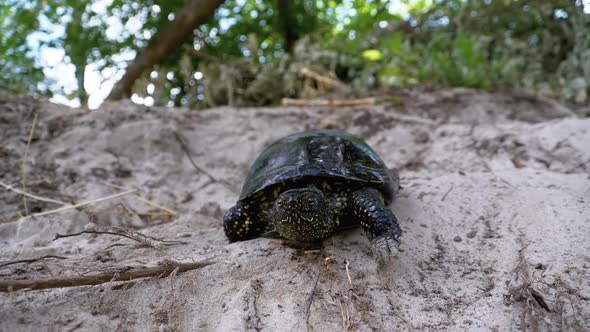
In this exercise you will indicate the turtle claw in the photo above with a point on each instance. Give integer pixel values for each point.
(385, 248)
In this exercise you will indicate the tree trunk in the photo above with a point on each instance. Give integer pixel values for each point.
(78, 54)
(193, 14)
(287, 24)
(82, 94)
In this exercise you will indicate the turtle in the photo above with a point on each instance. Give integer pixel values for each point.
(309, 185)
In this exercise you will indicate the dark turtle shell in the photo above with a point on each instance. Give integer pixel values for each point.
(318, 154)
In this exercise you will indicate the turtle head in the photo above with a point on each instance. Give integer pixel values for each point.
(303, 214)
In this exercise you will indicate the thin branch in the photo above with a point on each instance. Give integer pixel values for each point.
(137, 236)
(26, 155)
(31, 260)
(187, 151)
(446, 194)
(356, 102)
(161, 240)
(123, 234)
(327, 102)
(200, 54)
(122, 274)
(75, 206)
(168, 39)
(39, 198)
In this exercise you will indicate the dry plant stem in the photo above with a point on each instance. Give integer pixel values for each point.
(25, 157)
(68, 207)
(155, 205)
(322, 79)
(313, 292)
(146, 201)
(327, 102)
(122, 274)
(39, 198)
(32, 260)
(409, 118)
(348, 272)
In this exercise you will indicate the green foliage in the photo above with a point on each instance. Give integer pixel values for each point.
(250, 52)
(18, 71)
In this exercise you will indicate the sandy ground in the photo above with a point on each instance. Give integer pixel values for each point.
(495, 210)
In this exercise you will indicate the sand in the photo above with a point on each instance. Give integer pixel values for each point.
(495, 209)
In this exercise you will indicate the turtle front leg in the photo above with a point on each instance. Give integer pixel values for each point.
(241, 223)
(378, 222)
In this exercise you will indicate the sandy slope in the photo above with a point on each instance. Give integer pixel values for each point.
(495, 208)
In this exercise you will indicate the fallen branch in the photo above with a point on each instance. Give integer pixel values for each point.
(327, 102)
(31, 260)
(39, 198)
(123, 274)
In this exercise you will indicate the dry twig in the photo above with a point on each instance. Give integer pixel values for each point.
(139, 237)
(155, 205)
(347, 263)
(75, 206)
(123, 234)
(121, 274)
(146, 201)
(25, 157)
(200, 169)
(39, 198)
(327, 102)
(31, 260)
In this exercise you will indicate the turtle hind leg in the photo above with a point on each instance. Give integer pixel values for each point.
(241, 223)
(378, 222)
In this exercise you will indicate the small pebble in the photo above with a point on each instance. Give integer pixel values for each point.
(89, 227)
(471, 234)
(457, 239)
